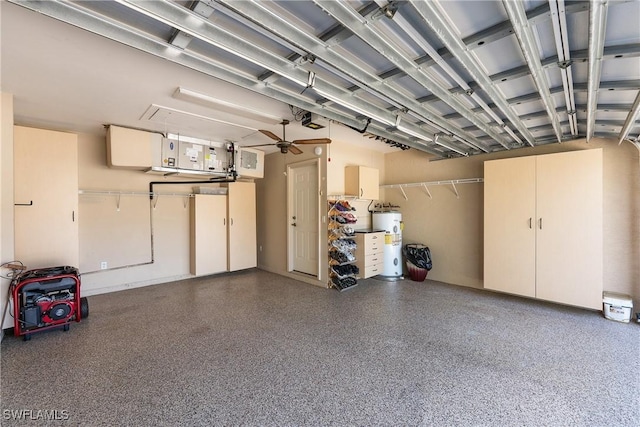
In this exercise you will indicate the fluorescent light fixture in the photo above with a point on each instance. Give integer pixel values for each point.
(221, 105)
(559, 21)
(177, 17)
(435, 140)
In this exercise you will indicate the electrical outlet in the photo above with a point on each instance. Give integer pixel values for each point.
(103, 265)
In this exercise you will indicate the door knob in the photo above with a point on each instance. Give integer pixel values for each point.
(294, 224)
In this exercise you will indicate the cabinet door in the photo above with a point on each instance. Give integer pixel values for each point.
(509, 234)
(362, 182)
(369, 184)
(46, 197)
(242, 226)
(569, 228)
(208, 234)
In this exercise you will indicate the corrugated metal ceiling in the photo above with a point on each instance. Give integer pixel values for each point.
(452, 78)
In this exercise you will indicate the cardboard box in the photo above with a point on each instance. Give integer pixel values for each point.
(617, 306)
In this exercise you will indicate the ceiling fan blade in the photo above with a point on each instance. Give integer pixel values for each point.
(270, 134)
(294, 150)
(259, 145)
(312, 141)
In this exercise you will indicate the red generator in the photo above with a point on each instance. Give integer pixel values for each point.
(47, 298)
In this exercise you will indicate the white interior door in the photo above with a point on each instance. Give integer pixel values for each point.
(303, 218)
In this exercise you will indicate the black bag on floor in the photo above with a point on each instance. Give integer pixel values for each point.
(418, 255)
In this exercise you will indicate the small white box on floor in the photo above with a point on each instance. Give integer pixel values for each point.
(617, 306)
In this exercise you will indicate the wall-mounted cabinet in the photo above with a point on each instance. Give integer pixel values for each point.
(46, 197)
(543, 227)
(208, 234)
(362, 182)
(130, 148)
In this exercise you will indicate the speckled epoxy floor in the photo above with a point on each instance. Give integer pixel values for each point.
(255, 348)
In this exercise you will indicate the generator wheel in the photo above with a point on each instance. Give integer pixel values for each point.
(66, 327)
(84, 308)
(27, 337)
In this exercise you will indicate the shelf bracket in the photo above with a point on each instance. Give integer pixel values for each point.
(455, 190)
(403, 193)
(427, 190)
(118, 202)
(426, 185)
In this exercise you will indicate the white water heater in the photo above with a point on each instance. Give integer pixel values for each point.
(391, 224)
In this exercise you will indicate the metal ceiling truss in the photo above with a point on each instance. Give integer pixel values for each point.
(526, 38)
(597, 26)
(75, 15)
(327, 58)
(377, 101)
(366, 31)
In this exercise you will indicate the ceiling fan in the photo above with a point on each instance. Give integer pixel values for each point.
(286, 146)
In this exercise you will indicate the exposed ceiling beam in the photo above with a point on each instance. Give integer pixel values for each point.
(631, 119)
(76, 15)
(348, 17)
(181, 18)
(526, 39)
(597, 27)
(431, 13)
(332, 61)
(559, 23)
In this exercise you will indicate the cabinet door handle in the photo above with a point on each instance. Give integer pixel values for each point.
(530, 222)
(361, 192)
(231, 221)
(224, 221)
(540, 223)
